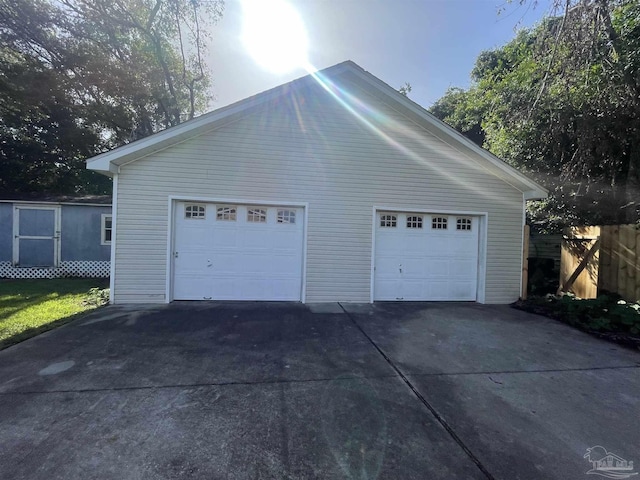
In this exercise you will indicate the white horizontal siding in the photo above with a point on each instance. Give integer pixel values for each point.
(315, 152)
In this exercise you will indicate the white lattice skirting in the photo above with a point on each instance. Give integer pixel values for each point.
(86, 269)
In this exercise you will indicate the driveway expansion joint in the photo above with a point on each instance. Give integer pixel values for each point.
(423, 400)
(197, 385)
(511, 372)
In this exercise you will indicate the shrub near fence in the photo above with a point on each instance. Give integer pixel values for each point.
(601, 259)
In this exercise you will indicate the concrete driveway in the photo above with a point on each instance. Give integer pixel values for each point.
(274, 390)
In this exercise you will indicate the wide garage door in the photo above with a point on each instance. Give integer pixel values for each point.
(237, 252)
(425, 257)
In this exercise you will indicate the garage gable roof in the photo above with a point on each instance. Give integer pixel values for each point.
(109, 162)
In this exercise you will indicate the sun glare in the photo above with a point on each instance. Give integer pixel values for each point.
(274, 35)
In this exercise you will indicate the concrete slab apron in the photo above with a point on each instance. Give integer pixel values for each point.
(215, 391)
(526, 395)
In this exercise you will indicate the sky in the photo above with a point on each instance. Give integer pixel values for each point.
(432, 44)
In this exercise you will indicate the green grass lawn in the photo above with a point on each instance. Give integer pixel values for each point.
(30, 307)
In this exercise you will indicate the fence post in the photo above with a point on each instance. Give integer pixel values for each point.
(604, 273)
(627, 272)
(637, 267)
(525, 262)
(614, 231)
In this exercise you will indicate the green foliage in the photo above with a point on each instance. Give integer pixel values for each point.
(607, 313)
(96, 297)
(463, 111)
(78, 77)
(562, 103)
(405, 89)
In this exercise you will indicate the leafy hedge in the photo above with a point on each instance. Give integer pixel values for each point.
(607, 313)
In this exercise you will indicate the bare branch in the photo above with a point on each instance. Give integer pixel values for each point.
(551, 57)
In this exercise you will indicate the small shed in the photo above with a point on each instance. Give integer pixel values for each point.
(55, 236)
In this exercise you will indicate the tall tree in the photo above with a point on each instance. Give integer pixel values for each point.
(462, 110)
(78, 77)
(561, 102)
(594, 57)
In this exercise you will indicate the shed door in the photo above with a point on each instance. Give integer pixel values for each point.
(36, 232)
(237, 252)
(426, 257)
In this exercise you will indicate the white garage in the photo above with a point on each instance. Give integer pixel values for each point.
(421, 256)
(281, 196)
(226, 251)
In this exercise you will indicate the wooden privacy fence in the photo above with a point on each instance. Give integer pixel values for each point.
(601, 259)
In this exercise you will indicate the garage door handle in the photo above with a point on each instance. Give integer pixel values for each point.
(209, 264)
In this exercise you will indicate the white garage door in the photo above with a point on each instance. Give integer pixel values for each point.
(237, 252)
(425, 257)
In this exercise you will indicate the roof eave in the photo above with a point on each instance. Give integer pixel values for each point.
(103, 167)
(537, 194)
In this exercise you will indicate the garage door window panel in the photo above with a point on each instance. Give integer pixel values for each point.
(414, 222)
(196, 212)
(227, 213)
(388, 221)
(463, 224)
(439, 223)
(256, 215)
(287, 216)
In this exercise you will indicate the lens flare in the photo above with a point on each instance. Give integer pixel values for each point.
(274, 35)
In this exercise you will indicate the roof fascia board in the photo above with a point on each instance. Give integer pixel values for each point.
(33, 202)
(534, 194)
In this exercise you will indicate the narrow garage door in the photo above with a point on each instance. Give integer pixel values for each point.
(425, 257)
(237, 252)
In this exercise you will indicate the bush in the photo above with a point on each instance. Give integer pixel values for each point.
(543, 276)
(96, 297)
(607, 313)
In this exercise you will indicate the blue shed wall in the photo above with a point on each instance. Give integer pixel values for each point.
(81, 233)
(6, 232)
